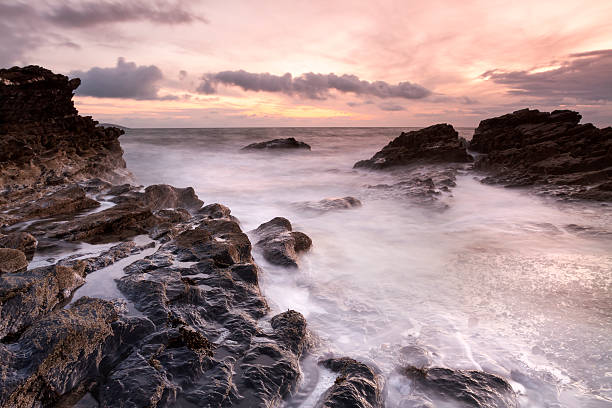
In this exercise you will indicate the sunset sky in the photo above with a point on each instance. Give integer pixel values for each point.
(146, 63)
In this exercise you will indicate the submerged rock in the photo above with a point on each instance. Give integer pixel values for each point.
(529, 147)
(279, 244)
(466, 387)
(330, 204)
(288, 143)
(357, 385)
(434, 144)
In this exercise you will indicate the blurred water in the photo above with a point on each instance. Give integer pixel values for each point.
(497, 282)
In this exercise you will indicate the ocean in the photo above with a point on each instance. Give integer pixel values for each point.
(492, 279)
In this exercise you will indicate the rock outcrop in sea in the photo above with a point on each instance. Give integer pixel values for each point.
(549, 150)
(434, 144)
(289, 143)
(426, 160)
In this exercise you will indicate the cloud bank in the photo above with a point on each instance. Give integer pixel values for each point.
(125, 80)
(103, 12)
(310, 85)
(585, 76)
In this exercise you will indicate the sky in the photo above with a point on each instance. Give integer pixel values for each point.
(187, 63)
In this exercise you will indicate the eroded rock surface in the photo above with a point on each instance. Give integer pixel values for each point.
(357, 385)
(12, 260)
(551, 150)
(43, 139)
(434, 144)
(278, 242)
(465, 387)
(288, 143)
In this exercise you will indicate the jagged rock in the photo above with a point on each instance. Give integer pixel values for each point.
(28, 295)
(467, 387)
(288, 143)
(64, 350)
(330, 204)
(161, 196)
(44, 140)
(215, 210)
(529, 147)
(424, 185)
(200, 290)
(67, 200)
(12, 260)
(357, 385)
(113, 224)
(279, 244)
(22, 241)
(434, 144)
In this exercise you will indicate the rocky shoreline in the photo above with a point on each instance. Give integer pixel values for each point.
(191, 327)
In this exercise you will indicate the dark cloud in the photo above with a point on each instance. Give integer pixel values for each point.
(106, 11)
(310, 85)
(584, 76)
(126, 80)
(391, 107)
(18, 32)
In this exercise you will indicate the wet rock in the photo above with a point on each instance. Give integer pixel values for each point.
(529, 147)
(435, 144)
(427, 185)
(44, 140)
(28, 295)
(467, 387)
(161, 196)
(279, 244)
(66, 200)
(12, 260)
(200, 290)
(64, 350)
(215, 211)
(357, 385)
(113, 224)
(22, 241)
(330, 204)
(288, 143)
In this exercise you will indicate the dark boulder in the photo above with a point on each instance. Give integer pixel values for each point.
(466, 387)
(553, 150)
(434, 144)
(279, 244)
(160, 196)
(215, 210)
(288, 143)
(357, 385)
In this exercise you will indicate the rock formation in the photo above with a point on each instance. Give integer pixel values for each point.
(551, 150)
(289, 143)
(434, 144)
(279, 244)
(465, 387)
(43, 140)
